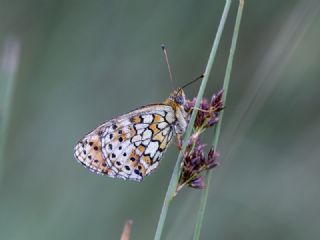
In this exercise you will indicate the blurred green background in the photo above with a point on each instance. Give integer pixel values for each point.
(84, 62)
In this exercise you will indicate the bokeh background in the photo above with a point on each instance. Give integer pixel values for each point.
(83, 62)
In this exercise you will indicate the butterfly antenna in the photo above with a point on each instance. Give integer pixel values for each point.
(189, 83)
(168, 65)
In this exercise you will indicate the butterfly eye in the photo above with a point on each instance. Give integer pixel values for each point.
(179, 100)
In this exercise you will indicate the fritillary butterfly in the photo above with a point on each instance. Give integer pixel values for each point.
(131, 146)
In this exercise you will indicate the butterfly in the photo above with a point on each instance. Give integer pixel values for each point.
(131, 146)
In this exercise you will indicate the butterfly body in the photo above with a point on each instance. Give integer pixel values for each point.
(131, 146)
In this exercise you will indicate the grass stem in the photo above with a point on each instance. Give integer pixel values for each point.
(8, 68)
(216, 136)
(177, 169)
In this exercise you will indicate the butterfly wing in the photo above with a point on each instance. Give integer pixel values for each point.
(130, 146)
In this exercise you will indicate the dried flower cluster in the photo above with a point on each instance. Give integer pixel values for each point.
(207, 115)
(195, 160)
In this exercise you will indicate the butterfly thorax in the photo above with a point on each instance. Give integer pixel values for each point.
(176, 100)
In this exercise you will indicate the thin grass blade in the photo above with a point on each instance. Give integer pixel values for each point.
(177, 169)
(226, 82)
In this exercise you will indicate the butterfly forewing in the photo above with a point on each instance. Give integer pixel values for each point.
(129, 146)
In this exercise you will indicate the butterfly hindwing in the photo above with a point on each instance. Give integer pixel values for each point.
(129, 146)
(88, 152)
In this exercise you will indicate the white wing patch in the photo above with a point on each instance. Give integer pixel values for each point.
(152, 149)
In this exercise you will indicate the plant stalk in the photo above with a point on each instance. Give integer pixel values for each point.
(226, 81)
(177, 169)
(8, 68)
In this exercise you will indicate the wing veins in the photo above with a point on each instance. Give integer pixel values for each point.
(133, 142)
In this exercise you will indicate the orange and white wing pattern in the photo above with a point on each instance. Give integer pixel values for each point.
(130, 146)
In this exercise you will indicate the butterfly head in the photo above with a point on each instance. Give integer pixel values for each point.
(178, 97)
(177, 101)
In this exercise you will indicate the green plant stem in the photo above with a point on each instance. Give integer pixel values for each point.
(216, 136)
(177, 169)
(8, 69)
